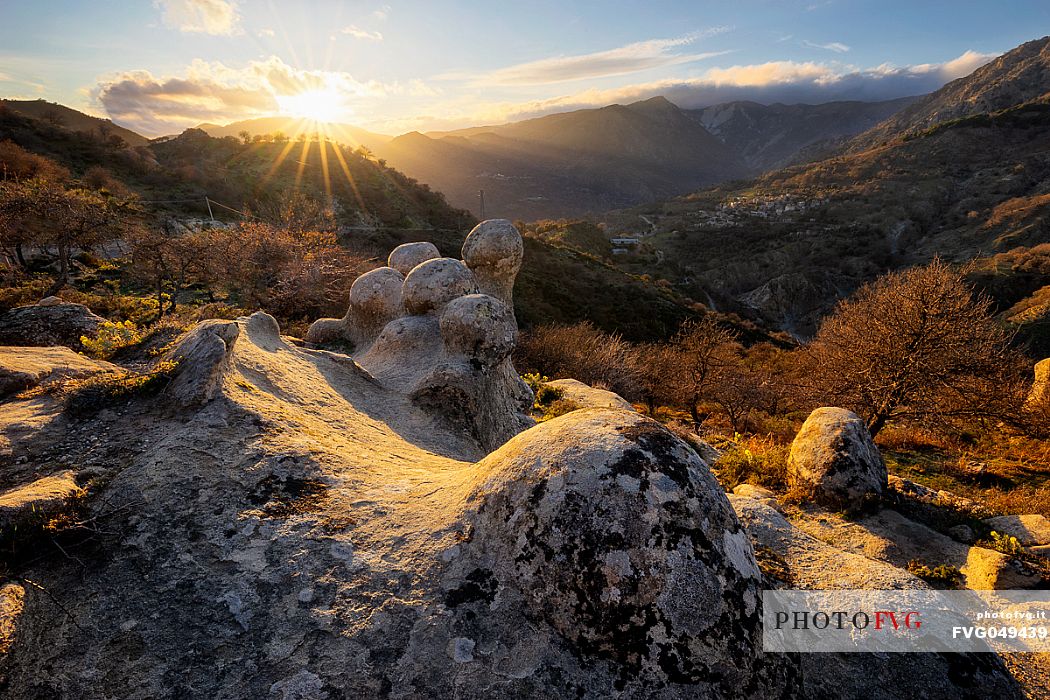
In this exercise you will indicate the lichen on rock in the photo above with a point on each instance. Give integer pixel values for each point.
(834, 458)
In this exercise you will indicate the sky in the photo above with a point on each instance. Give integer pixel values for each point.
(161, 66)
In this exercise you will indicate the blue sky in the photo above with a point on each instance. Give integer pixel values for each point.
(161, 66)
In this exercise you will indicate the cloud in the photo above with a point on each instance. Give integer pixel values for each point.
(381, 13)
(214, 92)
(632, 58)
(835, 46)
(217, 17)
(268, 33)
(776, 81)
(359, 33)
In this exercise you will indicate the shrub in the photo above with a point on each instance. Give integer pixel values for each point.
(1001, 542)
(99, 393)
(111, 337)
(944, 576)
(753, 460)
(557, 408)
(548, 394)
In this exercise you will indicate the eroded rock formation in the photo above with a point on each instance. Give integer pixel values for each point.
(421, 327)
(302, 523)
(50, 321)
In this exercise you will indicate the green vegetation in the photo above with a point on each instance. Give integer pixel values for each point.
(757, 460)
(111, 337)
(943, 576)
(98, 393)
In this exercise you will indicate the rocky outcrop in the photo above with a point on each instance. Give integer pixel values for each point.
(1030, 530)
(203, 357)
(315, 531)
(421, 327)
(24, 368)
(895, 539)
(51, 321)
(36, 502)
(627, 558)
(814, 564)
(586, 396)
(834, 458)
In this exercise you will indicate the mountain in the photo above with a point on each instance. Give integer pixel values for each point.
(1018, 76)
(967, 188)
(776, 135)
(60, 115)
(292, 126)
(570, 163)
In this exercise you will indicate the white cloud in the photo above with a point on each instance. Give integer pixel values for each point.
(216, 92)
(776, 81)
(381, 13)
(835, 46)
(358, 33)
(217, 17)
(632, 58)
(268, 33)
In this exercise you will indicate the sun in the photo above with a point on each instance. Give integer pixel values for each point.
(318, 105)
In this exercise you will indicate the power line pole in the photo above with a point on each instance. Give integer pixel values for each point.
(481, 197)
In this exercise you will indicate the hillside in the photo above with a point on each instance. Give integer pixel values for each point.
(292, 127)
(1018, 76)
(571, 163)
(777, 135)
(178, 173)
(60, 115)
(792, 242)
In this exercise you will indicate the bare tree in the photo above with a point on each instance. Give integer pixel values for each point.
(581, 352)
(50, 215)
(705, 349)
(914, 344)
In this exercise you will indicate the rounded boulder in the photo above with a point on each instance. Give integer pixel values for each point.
(407, 255)
(432, 284)
(479, 326)
(834, 458)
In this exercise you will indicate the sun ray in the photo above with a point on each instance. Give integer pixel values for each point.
(323, 135)
(349, 177)
(284, 153)
(303, 155)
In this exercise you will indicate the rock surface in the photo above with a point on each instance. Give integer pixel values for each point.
(49, 322)
(23, 368)
(312, 532)
(890, 537)
(299, 523)
(1030, 530)
(814, 564)
(36, 501)
(835, 459)
(587, 396)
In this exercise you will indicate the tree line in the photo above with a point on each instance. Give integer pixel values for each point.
(917, 345)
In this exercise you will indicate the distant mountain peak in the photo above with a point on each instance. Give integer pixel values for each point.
(1018, 76)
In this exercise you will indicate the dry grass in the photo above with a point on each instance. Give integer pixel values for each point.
(1005, 473)
(752, 459)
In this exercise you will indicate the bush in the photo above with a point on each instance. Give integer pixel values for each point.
(99, 393)
(1001, 542)
(557, 408)
(111, 337)
(943, 576)
(753, 460)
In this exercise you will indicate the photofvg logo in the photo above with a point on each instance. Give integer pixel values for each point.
(906, 621)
